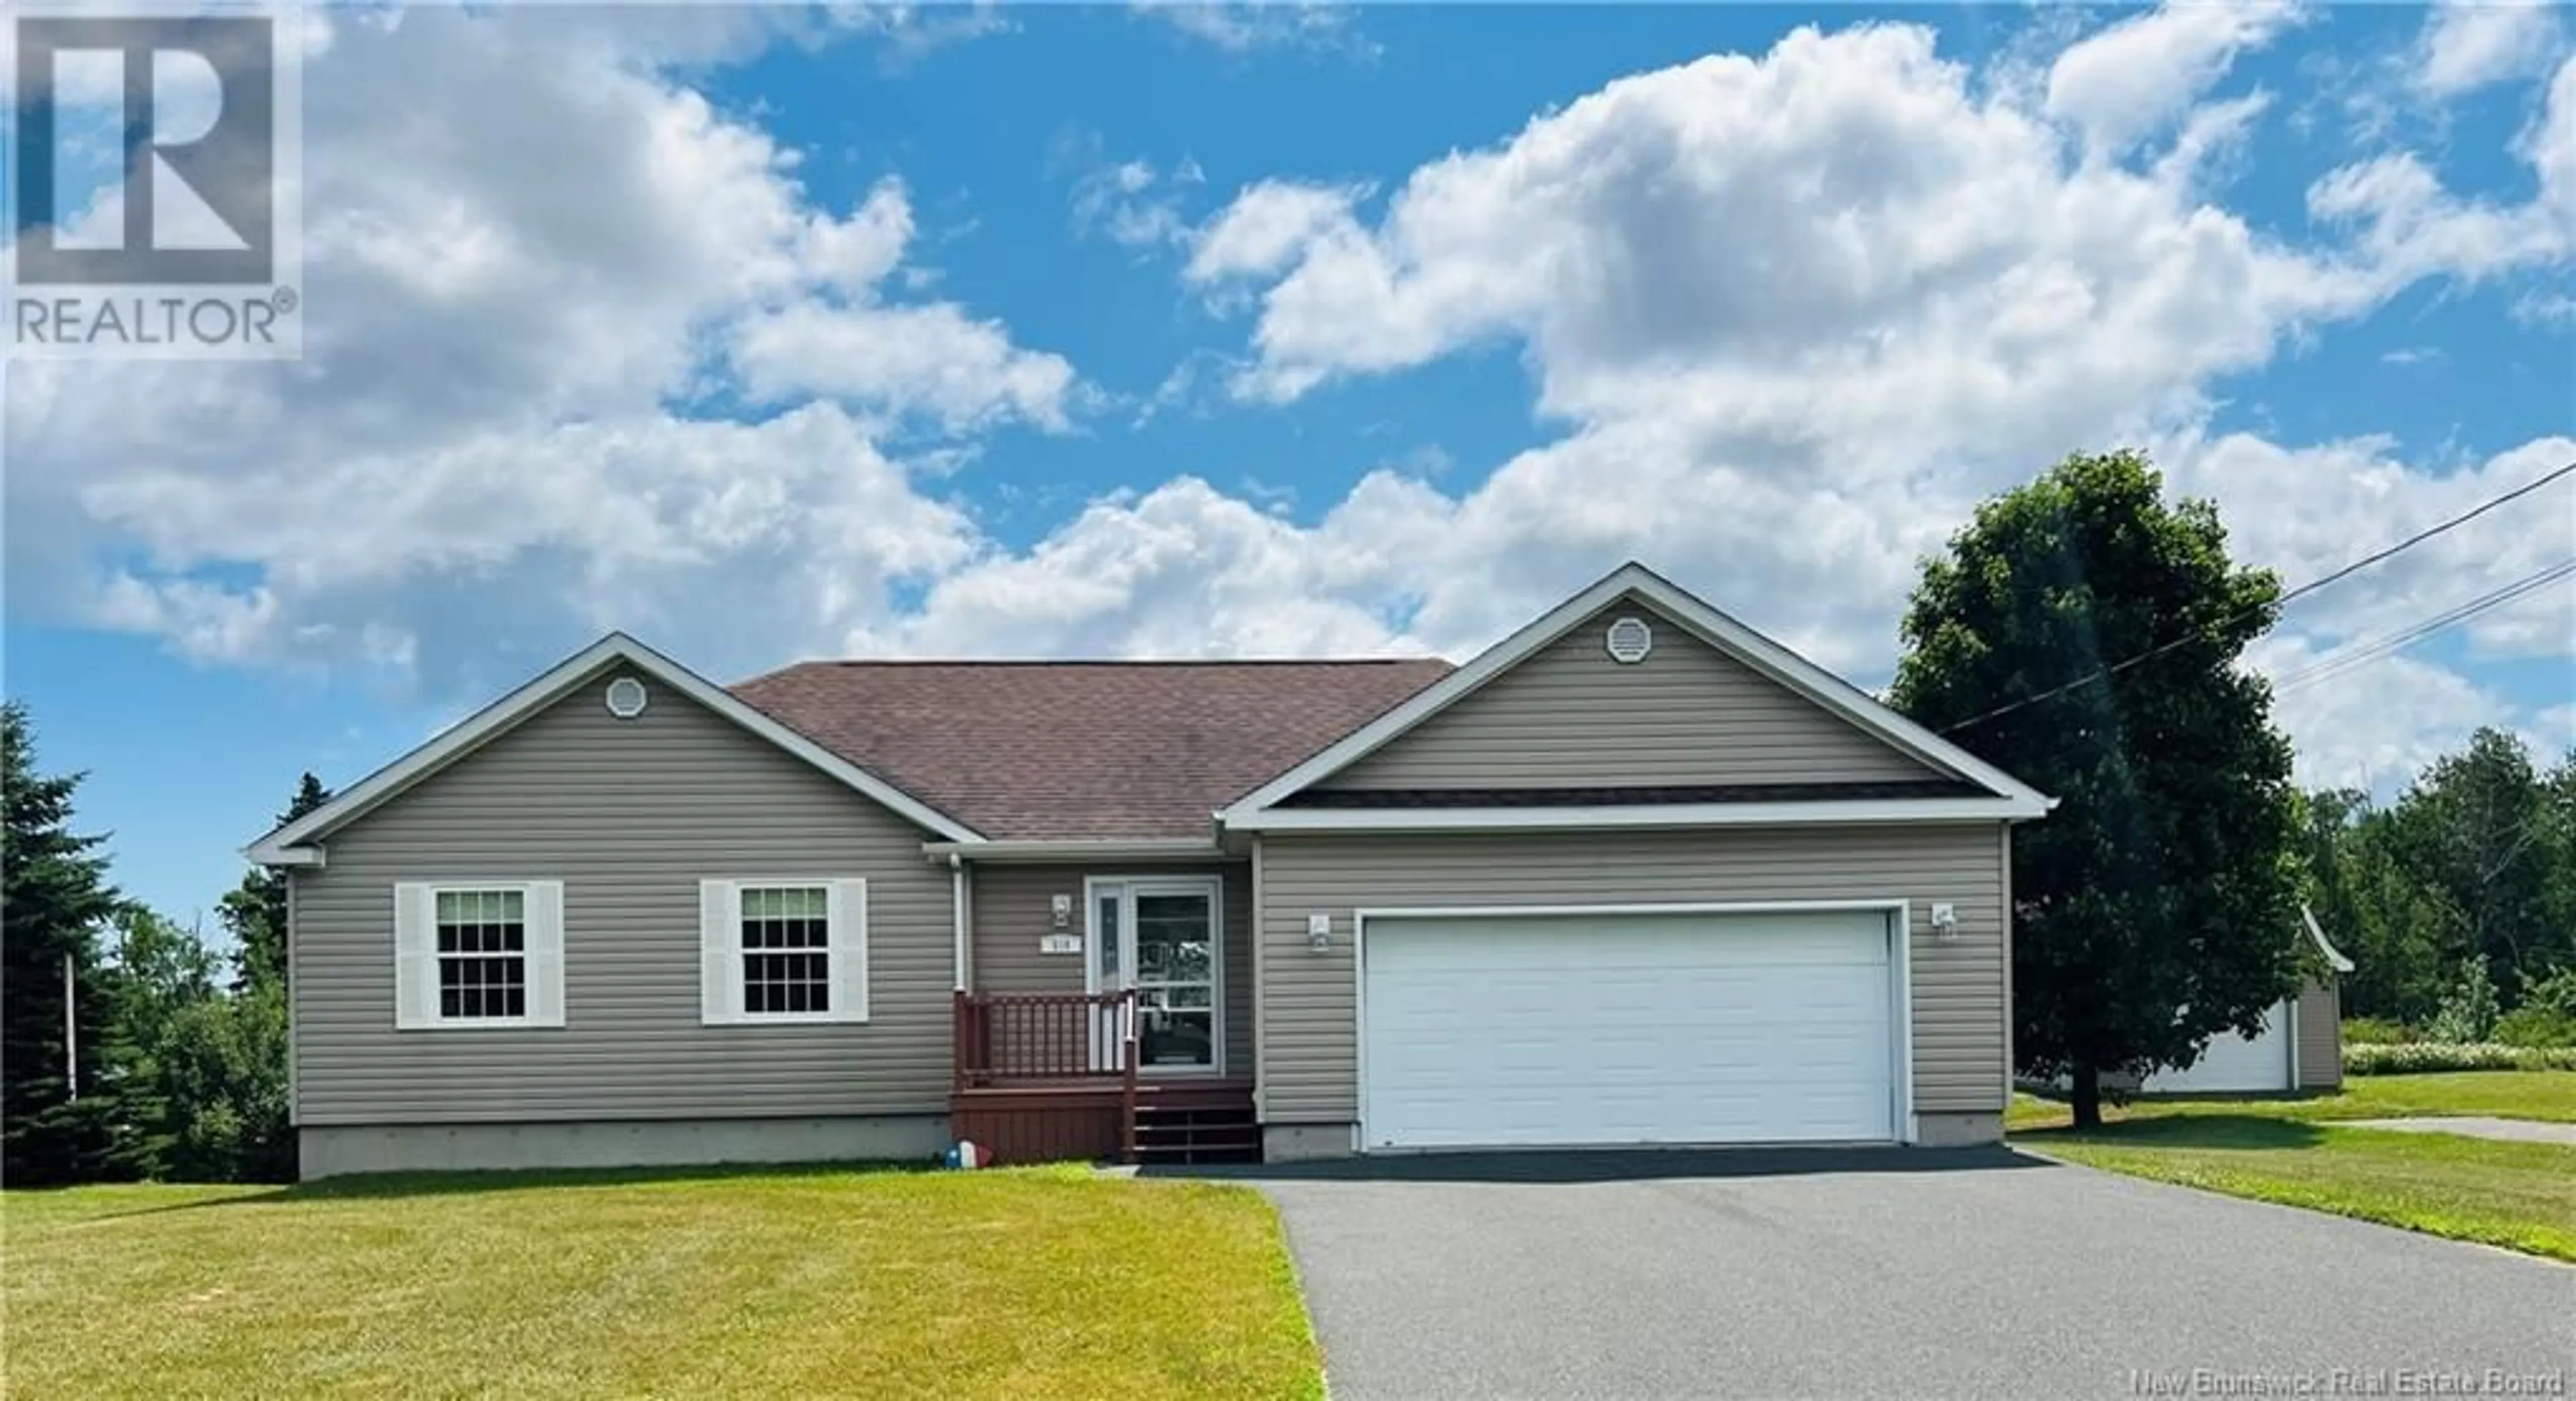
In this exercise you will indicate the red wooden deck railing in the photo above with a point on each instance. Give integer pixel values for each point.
(1005, 1039)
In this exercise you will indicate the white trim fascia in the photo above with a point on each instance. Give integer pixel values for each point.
(2334, 957)
(1079, 849)
(1711, 626)
(1680, 907)
(1866, 812)
(1255, 939)
(297, 856)
(469, 734)
(2290, 1018)
(1907, 1120)
(1905, 1123)
(294, 1080)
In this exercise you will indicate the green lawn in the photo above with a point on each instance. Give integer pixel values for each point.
(2518, 1195)
(1036, 1283)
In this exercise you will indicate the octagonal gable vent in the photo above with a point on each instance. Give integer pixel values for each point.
(1629, 640)
(626, 698)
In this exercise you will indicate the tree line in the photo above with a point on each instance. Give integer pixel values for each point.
(128, 1047)
(2457, 902)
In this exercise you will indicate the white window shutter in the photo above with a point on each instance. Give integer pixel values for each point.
(719, 966)
(849, 916)
(415, 954)
(545, 945)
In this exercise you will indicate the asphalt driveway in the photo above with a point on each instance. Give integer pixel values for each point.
(1882, 1273)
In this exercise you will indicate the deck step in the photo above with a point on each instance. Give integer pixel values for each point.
(1196, 1134)
(1185, 1123)
(1184, 1134)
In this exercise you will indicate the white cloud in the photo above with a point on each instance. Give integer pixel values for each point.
(507, 291)
(1795, 315)
(791, 528)
(911, 33)
(930, 360)
(2469, 44)
(1270, 225)
(1263, 24)
(2372, 728)
(2410, 226)
(1799, 313)
(2308, 511)
(1841, 243)
(1130, 202)
(2129, 81)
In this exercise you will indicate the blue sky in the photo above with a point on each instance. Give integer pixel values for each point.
(1297, 330)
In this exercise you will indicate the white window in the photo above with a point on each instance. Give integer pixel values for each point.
(782, 951)
(478, 954)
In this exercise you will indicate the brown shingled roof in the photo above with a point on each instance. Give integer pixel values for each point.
(1082, 749)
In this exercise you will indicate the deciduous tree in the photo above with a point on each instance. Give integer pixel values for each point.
(2157, 906)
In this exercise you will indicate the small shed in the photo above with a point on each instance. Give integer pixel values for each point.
(2300, 1047)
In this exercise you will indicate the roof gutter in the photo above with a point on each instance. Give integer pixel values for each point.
(1079, 849)
(1569, 819)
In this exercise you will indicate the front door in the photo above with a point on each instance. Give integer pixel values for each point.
(1159, 935)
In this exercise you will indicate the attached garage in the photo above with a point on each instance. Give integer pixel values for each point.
(1601, 1026)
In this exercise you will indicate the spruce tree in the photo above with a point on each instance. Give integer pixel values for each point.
(56, 1116)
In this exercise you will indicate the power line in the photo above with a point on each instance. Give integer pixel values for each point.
(2421, 536)
(2302, 591)
(2336, 663)
(2341, 660)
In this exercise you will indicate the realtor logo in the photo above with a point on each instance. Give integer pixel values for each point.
(152, 156)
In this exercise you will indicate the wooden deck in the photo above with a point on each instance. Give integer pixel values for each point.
(1052, 1077)
(1200, 1119)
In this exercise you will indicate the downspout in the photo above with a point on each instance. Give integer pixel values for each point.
(957, 912)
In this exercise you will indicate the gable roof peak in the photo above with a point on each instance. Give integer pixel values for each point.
(1710, 625)
(288, 844)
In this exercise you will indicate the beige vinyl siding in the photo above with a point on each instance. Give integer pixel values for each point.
(2320, 1022)
(1569, 716)
(629, 815)
(1010, 906)
(1309, 1030)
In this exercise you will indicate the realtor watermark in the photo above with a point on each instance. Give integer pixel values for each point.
(2349, 1381)
(154, 181)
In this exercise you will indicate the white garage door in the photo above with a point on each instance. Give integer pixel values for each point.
(2233, 1064)
(1626, 1028)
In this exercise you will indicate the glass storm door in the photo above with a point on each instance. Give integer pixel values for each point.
(1159, 937)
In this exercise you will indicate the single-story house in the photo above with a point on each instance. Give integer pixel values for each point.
(2300, 1047)
(1635, 875)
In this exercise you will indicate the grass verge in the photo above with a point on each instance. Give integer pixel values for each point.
(2299, 1153)
(2547, 1095)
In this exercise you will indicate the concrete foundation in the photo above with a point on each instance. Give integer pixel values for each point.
(1957, 1130)
(1290, 1143)
(331, 1151)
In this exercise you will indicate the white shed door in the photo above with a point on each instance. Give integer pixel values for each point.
(1627, 1028)
(2233, 1064)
